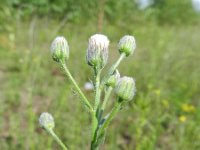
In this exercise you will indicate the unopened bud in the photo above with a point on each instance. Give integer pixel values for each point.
(127, 45)
(97, 52)
(46, 121)
(125, 88)
(112, 80)
(60, 49)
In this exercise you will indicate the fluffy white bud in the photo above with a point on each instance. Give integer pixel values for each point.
(97, 52)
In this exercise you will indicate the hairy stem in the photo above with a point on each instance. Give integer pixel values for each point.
(56, 138)
(113, 112)
(116, 64)
(112, 69)
(97, 89)
(83, 98)
(96, 105)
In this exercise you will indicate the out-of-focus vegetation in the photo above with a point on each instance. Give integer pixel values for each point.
(165, 114)
(163, 11)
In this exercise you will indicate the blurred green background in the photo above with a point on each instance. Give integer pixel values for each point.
(165, 113)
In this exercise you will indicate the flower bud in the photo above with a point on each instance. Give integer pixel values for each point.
(97, 52)
(59, 49)
(125, 88)
(112, 80)
(127, 45)
(46, 121)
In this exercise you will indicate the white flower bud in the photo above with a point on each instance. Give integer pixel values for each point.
(46, 121)
(125, 88)
(127, 45)
(97, 52)
(59, 49)
(112, 80)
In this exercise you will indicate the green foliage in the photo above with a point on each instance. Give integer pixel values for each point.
(55, 8)
(173, 12)
(6, 15)
(116, 10)
(162, 11)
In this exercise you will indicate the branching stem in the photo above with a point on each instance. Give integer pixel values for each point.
(113, 112)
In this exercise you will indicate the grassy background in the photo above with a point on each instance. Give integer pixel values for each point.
(164, 115)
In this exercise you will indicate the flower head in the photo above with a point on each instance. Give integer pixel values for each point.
(127, 45)
(60, 49)
(46, 121)
(125, 88)
(97, 52)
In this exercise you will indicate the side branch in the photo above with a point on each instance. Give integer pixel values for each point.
(83, 98)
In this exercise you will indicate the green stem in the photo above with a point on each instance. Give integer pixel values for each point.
(112, 69)
(96, 105)
(56, 138)
(97, 89)
(94, 125)
(113, 112)
(83, 98)
(107, 94)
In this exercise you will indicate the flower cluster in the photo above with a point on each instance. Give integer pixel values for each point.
(96, 57)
